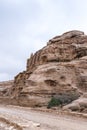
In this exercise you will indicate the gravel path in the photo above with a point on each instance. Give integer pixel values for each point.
(47, 121)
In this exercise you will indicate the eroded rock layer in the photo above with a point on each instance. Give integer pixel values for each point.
(60, 68)
(5, 87)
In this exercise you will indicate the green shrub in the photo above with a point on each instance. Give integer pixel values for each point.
(54, 102)
(62, 99)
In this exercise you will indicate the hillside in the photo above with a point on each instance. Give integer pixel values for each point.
(5, 87)
(57, 71)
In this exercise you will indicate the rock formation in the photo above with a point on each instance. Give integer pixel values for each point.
(5, 87)
(60, 68)
(78, 105)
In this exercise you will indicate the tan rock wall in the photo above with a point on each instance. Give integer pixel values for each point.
(58, 68)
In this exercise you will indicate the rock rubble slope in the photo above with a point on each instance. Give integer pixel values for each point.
(60, 68)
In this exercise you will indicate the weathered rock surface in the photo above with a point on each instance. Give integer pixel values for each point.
(60, 68)
(78, 105)
(5, 87)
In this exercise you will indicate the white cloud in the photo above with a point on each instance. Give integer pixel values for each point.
(26, 26)
(5, 76)
(13, 2)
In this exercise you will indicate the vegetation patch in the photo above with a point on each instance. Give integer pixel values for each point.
(62, 99)
(54, 102)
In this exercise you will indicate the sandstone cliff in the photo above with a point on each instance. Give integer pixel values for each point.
(60, 68)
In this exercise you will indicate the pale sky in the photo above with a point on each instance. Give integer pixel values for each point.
(27, 25)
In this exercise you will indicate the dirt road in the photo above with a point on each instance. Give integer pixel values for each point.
(48, 121)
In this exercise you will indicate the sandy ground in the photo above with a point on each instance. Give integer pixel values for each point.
(17, 118)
